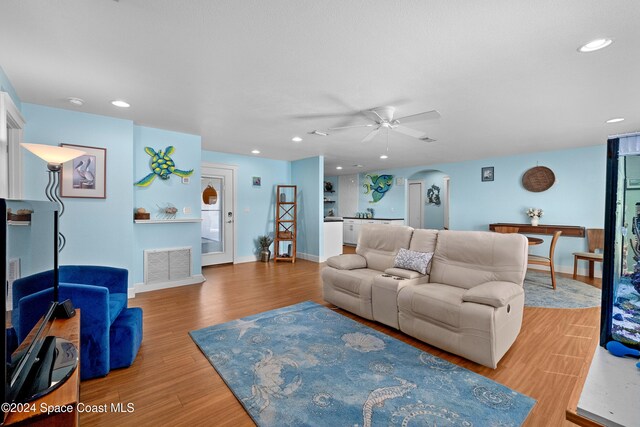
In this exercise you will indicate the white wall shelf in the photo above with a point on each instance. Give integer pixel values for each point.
(164, 221)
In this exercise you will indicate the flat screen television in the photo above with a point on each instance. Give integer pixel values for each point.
(29, 241)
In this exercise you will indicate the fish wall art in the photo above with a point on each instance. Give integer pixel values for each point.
(378, 187)
(161, 165)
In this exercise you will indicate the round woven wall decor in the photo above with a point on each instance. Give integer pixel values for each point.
(538, 179)
(209, 195)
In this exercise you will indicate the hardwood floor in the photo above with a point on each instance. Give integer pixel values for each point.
(172, 383)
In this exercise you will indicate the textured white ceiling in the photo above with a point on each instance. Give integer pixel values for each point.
(505, 75)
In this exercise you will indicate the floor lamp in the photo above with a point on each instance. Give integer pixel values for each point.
(55, 157)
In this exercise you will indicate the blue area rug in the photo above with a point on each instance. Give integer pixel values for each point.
(569, 293)
(305, 365)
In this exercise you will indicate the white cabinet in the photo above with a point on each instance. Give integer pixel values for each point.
(352, 227)
(351, 231)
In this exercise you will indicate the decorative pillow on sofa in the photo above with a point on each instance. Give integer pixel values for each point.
(412, 260)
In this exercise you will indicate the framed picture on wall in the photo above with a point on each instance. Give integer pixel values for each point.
(85, 176)
(487, 174)
(257, 182)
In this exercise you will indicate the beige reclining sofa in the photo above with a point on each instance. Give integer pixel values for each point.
(469, 301)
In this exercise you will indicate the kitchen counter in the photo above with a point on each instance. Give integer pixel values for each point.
(333, 219)
(379, 219)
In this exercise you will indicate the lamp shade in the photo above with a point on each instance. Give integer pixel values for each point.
(53, 154)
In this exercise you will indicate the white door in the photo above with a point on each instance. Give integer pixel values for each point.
(217, 229)
(416, 204)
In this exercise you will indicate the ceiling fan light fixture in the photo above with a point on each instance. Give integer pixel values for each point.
(616, 120)
(594, 45)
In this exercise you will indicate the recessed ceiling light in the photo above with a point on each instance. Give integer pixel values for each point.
(76, 101)
(616, 120)
(339, 168)
(594, 45)
(296, 139)
(384, 156)
(255, 151)
(120, 103)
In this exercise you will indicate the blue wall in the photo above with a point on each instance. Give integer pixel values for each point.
(392, 204)
(98, 231)
(576, 198)
(433, 214)
(101, 231)
(308, 175)
(256, 206)
(187, 156)
(6, 86)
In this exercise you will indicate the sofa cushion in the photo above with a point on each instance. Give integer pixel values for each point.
(354, 282)
(413, 260)
(347, 262)
(379, 244)
(435, 301)
(117, 303)
(405, 274)
(470, 258)
(496, 294)
(424, 240)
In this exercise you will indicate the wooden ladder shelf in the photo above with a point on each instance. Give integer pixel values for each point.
(286, 223)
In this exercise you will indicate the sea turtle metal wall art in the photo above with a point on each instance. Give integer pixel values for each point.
(161, 165)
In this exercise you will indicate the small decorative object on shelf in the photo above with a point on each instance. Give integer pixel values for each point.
(141, 213)
(20, 215)
(167, 212)
(328, 187)
(534, 214)
(264, 242)
(283, 198)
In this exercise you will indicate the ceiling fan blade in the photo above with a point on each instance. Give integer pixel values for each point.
(327, 116)
(408, 131)
(353, 126)
(371, 135)
(427, 115)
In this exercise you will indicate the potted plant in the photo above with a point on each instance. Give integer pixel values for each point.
(264, 242)
(534, 214)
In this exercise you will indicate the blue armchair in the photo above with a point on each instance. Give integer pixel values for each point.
(101, 295)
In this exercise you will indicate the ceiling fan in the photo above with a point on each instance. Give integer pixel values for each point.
(382, 118)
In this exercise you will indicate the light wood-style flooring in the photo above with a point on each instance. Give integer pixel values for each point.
(172, 383)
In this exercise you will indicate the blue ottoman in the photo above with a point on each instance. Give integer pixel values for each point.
(125, 338)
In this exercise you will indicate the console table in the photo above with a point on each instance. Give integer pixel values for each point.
(68, 394)
(567, 230)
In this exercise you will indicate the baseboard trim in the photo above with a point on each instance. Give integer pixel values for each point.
(193, 280)
(309, 257)
(243, 259)
(582, 271)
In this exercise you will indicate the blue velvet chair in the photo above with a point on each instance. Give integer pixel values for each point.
(101, 295)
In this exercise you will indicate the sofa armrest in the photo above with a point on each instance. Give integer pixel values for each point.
(347, 262)
(496, 294)
(405, 274)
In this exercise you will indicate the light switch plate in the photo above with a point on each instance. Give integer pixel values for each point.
(186, 180)
(186, 210)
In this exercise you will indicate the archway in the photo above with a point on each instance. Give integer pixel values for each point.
(428, 199)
